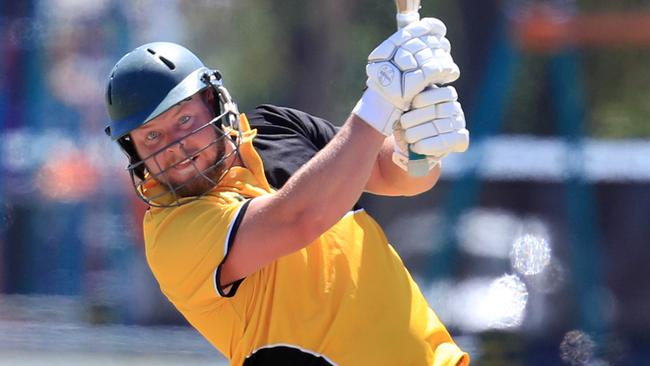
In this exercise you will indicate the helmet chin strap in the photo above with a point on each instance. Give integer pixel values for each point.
(231, 120)
(230, 106)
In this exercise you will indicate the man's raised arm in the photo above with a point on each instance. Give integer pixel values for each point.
(328, 186)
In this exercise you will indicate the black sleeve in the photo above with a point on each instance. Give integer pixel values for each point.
(273, 119)
(286, 139)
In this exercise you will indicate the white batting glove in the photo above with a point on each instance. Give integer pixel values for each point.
(401, 156)
(401, 67)
(434, 127)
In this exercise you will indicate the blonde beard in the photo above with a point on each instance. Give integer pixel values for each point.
(202, 182)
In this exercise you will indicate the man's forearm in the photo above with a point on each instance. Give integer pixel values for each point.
(388, 179)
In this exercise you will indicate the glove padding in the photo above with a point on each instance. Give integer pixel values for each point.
(401, 67)
(434, 127)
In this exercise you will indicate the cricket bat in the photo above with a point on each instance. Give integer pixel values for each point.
(407, 12)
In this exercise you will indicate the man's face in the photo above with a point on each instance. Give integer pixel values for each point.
(180, 158)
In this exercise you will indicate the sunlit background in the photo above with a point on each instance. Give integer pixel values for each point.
(534, 248)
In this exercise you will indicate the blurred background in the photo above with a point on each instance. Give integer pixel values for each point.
(533, 248)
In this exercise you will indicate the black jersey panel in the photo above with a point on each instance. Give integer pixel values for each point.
(285, 355)
(287, 139)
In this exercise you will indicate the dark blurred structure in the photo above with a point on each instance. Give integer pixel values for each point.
(532, 247)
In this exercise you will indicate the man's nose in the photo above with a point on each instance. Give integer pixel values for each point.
(178, 151)
(178, 139)
(176, 146)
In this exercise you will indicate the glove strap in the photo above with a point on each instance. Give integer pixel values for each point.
(376, 111)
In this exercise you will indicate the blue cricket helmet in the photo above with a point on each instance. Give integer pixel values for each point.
(148, 81)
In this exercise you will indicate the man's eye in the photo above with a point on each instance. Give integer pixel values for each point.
(184, 120)
(153, 135)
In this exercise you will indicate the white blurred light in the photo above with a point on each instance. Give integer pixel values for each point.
(530, 158)
(74, 9)
(23, 149)
(530, 254)
(482, 303)
(152, 21)
(15, 150)
(442, 296)
(577, 348)
(507, 300)
(78, 70)
(487, 232)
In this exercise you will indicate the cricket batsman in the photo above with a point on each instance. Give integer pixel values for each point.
(253, 230)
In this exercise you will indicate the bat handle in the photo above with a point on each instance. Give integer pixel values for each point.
(417, 166)
(406, 18)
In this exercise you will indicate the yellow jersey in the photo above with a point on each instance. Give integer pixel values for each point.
(345, 299)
